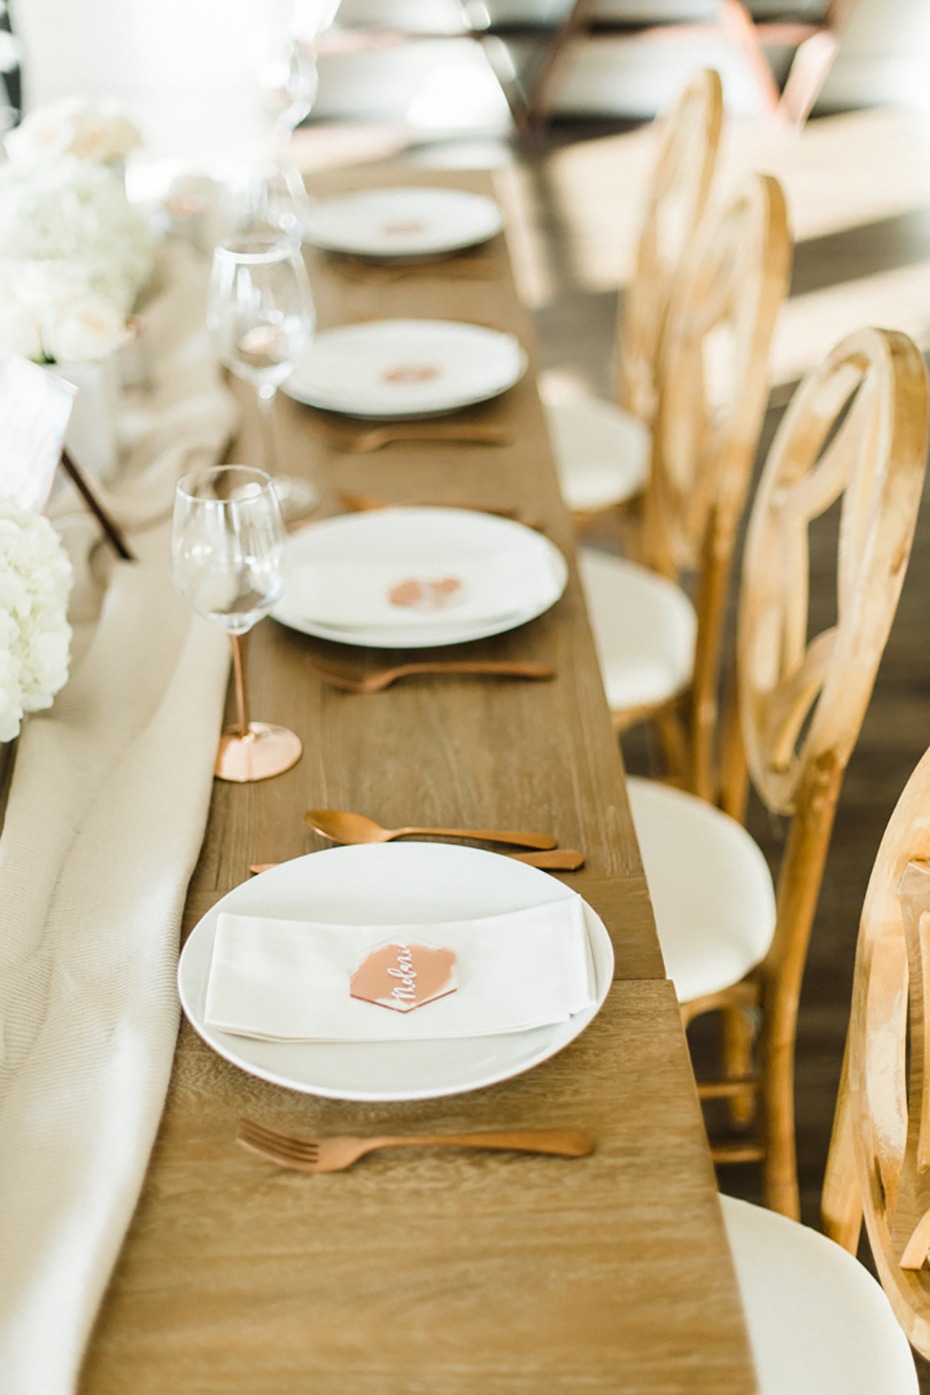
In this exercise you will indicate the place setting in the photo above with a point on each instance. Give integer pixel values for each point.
(401, 225)
(398, 369)
(417, 577)
(395, 971)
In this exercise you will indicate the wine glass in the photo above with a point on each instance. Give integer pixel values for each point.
(289, 80)
(261, 318)
(288, 75)
(267, 197)
(227, 554)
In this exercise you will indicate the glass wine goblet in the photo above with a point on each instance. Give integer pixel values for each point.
(288, 75)
(261, 318)
(227, 554)
(267, 198)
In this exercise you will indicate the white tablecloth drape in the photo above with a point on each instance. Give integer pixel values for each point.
(107, 808)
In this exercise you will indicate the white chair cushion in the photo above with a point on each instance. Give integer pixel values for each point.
(601, 452)
(710, 887)
(818, 1322)
(644, 630)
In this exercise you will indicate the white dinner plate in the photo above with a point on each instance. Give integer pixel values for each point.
(425, 545)
(393, 369)
(416, 884)
(388, 223)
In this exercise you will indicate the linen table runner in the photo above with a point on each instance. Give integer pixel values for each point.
(107, 809)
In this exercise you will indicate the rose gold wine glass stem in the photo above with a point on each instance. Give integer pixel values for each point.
(242, 705)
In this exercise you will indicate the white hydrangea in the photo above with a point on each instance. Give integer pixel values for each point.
(71, 211)
(35, 637)
(98, 131)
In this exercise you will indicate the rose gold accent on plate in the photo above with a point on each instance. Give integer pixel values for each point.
(399, 229)
(411, 373)
(425, 595)
(405, 976)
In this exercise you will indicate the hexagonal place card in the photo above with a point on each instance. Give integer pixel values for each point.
(404, 976)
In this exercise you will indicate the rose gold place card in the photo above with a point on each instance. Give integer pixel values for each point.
(404, 976)
(35, 407)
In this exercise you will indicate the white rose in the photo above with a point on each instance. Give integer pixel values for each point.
(95, 131)
(84, 330)
(43, 136)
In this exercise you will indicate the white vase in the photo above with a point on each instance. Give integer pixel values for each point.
(92, 437)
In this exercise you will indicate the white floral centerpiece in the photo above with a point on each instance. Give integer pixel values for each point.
(35, 637)
(74, 214)
(99, 131)
(74, 255)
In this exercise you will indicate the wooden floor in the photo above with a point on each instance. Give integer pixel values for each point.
(565, 231)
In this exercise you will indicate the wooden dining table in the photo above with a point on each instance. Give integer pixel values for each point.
(436, 1272)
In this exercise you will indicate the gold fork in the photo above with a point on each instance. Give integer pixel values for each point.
(375, 680)
(372, 438)
(337, 1153)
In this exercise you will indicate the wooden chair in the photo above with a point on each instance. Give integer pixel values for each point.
(602, 448)
(795, 1281)
(855, 435)
(813, 43)
(659, 652)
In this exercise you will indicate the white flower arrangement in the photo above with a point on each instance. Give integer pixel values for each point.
(35, 637)
(96, 131)
(74, 254)
(49, 312)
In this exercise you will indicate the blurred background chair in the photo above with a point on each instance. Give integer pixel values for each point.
(659, 649)
(602, 449)
(850, 453)
(807, 34)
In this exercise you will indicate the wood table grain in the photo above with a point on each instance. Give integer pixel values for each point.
(437, 1272)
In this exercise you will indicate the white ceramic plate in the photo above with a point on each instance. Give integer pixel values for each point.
(423, 542)
(388, 223)
(393, 369)
(418, 883)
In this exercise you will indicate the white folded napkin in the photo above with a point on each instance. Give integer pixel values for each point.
(290, 979)
(357, 594)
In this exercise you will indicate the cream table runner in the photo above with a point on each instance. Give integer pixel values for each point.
(108, 803)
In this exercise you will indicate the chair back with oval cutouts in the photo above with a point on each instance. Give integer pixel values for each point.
(853, 447)
(713, 391)
(854, 436)
(677, 198)
(879, 1161)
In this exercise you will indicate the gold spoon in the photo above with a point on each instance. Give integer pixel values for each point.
(374, 437)
(550, 860)
(341, 826)
(375, 680)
